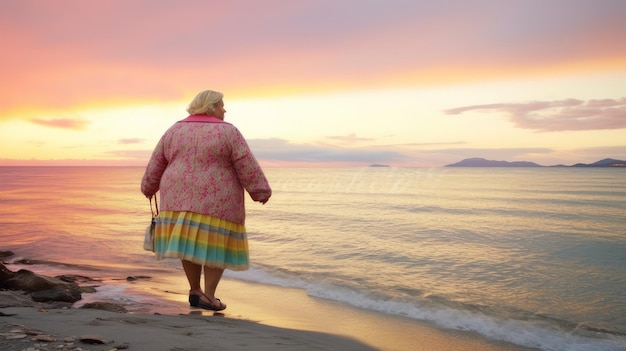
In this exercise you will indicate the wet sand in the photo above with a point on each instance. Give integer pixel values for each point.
(258, 317)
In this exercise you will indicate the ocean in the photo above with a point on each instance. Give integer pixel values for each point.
(531, 256)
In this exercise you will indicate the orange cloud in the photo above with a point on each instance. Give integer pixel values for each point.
(64, 54)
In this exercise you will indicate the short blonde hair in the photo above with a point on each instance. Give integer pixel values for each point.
(204, 102)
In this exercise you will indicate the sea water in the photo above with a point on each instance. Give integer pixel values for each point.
(531, 256)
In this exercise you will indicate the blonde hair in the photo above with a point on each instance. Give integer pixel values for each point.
(204, 102)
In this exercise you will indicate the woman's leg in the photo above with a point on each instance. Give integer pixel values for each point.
(212, 277)
(193, 272)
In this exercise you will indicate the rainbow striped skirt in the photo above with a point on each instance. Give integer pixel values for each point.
(201, 239)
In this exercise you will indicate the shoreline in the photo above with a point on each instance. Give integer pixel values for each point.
(259, 317)
(260, 311)
(293, 308)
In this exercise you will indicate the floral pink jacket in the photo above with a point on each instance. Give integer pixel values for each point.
(202, 164)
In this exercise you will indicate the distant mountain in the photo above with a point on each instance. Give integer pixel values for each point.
(481, 162)
(607, 162)
(378, 165)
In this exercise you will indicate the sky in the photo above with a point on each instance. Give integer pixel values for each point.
(407, 83)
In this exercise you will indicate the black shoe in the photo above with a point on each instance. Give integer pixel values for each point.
(194, 301)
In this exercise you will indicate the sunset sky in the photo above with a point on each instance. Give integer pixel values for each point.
(408, 83)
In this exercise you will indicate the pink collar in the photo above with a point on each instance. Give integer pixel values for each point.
(202, 118)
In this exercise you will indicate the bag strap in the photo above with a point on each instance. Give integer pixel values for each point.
(156, 205)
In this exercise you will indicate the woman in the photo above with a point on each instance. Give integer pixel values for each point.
(201, 166)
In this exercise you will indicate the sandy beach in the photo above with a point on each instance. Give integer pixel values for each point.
(88, 329)
(259, 317)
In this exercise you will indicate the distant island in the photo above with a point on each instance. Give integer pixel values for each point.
(378, 165)
(481, 162)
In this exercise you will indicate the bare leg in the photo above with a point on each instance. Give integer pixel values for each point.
(212, 277)
(193, 272)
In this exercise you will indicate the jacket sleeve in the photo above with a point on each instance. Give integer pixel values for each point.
(156, 166)
(248, 170)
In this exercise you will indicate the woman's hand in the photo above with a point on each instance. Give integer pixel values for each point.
(261, 196)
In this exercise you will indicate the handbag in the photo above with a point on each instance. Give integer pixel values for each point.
(148, 240)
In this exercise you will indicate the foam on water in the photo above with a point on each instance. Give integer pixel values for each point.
(536, 333)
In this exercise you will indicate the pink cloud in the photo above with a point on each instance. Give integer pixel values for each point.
(559, 115)
(131, 141)
(63, 123)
